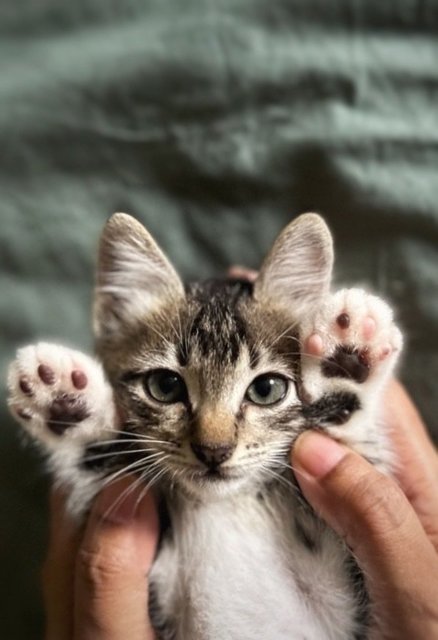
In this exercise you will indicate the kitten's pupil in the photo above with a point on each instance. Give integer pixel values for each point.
(165, 385)
(267, 389)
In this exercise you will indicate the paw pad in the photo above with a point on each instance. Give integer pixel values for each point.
(54, 390)
(25, 386)
(66, 411)
(79, 379)
(346, 362)
(343, 320)
(351, 336)
(46, 374)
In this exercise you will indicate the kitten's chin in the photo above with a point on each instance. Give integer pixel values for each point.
(208, 486)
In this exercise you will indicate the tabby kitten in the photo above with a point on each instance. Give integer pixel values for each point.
(205, 390)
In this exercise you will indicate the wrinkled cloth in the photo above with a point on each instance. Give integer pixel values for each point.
(215, 123)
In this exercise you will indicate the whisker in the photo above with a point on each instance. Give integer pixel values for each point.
(271, 473)
(114, 454)
(138, 436)
(124, 470)
(124, 441)
(122, 496)
(290, 467)
(148, 468)
(150, 483)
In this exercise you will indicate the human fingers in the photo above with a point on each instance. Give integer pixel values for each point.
(112, 565)
(416, 466)
(58, 571)
(381, 528)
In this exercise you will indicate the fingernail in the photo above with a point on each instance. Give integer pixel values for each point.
(316, 454)
(121, 502)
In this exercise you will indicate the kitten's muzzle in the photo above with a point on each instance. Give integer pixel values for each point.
(214, 456)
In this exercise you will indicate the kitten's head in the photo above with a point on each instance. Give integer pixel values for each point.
(206, 376)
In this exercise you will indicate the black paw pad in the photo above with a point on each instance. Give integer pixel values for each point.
(347, 362)
(66, 411)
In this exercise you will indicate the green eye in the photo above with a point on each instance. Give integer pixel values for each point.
(166, 386)
(267, 389)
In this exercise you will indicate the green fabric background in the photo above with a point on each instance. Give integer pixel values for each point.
(215, 122)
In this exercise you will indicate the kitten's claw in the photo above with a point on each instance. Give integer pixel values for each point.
(55, 391)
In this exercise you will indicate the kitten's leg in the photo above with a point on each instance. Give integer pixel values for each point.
(61, 398)
(349, 350)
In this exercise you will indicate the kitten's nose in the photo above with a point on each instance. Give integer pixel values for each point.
(212, 456)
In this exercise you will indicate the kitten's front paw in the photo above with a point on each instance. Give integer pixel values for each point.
(351, 337)
(55, 391)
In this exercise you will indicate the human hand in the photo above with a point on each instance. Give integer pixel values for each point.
(95, 578)
(391, 528)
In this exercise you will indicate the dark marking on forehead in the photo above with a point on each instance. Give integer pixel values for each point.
(218, 330)
(233, 289)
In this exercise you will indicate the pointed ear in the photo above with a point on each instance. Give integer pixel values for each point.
(134, 277)
(296, 273)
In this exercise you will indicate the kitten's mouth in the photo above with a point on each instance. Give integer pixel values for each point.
(216, 474)
(213, 482)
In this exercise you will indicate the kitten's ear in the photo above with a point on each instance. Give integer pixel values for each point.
(297, 271)
(134, 277)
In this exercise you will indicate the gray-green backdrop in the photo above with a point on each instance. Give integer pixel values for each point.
(215, 122)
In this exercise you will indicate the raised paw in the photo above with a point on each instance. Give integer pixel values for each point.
(351, 337)
(54, 391)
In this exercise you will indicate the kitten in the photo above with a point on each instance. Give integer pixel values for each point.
(205, 390)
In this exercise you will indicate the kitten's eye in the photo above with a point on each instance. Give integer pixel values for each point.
(165, 385)
(267, 389)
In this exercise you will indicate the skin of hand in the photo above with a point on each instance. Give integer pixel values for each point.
(95, 578)
(391, 526)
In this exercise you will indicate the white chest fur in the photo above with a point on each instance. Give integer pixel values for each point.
(238, 571)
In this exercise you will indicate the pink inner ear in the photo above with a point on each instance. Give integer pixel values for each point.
(296, 273)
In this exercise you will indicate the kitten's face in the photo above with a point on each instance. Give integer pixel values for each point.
(206, 378)
(210, 390)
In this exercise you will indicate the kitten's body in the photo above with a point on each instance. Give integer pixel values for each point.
(245, 557)
(241, 568)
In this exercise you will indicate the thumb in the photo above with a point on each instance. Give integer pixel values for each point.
(113, 561)
(374, 517)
